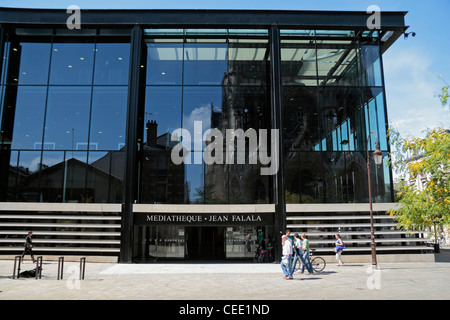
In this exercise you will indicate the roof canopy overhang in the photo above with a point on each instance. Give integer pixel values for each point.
(392, 23)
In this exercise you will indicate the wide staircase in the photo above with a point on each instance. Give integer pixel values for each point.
(69, 229)
(321, 222)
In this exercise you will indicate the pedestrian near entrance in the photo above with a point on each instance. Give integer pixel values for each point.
(286, 258)
(298, 252)
(339, 248)
(28, 246)
(290, 238)
(305, 247)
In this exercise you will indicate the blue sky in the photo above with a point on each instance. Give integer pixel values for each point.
(412, 66)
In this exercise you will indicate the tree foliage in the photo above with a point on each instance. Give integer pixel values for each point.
(429, 161)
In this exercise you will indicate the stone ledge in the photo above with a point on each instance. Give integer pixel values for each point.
(90, 259)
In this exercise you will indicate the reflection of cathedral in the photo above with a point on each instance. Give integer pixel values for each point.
(245, 107)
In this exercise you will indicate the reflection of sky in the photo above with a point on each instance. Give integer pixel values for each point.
(194, 178)
(197, 105)
(68, 110)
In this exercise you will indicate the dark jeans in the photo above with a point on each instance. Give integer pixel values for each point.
(28, 251)
(297, 257)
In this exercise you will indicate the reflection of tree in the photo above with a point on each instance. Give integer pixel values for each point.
(206, 195)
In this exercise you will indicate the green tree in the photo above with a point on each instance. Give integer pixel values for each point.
(444, 96)
(429, 161)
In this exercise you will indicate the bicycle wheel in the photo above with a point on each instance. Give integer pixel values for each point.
(318, 264)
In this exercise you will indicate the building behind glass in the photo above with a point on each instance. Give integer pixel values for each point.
(87, 117)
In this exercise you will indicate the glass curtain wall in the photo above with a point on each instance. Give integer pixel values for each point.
(64, 100)
(200, 80)
(332, 101)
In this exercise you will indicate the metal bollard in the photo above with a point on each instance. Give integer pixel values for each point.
(38, 267)
(60, 267)
(82, 267)
(15, 264)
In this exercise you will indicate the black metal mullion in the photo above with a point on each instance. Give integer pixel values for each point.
(130, 176)
(277, 123)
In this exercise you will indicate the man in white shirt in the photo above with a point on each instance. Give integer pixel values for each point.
(286, 258)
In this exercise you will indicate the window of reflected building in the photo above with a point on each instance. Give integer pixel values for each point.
(56, 114)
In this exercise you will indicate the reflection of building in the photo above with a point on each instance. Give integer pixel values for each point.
(164, 182)
(86, 131)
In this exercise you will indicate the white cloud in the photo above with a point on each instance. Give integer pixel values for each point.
(411, 89)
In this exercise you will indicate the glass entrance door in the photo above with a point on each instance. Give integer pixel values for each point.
(205, 243)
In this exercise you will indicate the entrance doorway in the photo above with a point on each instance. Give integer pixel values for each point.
(205, 243)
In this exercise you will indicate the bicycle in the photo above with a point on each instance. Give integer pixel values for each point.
(318, 263)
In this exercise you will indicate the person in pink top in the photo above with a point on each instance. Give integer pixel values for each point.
(286, 258)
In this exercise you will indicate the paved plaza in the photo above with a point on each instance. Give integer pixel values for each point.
(229, 281)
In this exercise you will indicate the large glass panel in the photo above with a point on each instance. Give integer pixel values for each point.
(109, 107)
(205, 63)
(74, 183)
(340, 123)
(111, 63)
(29, 163)
(370, 57)
(67, 121)
(105, 175)
(300, 118)
(242, 242)
(99, 176)
(164, 63)
(298, 62)
(28, 116)
(53, 176)
(166, 242)
(25, 55)
(248, 59)
(196, 190)
(247, 107)
(72, 63)
(163, 107)
(303, 177)
(12, 180)
(161, 180)
(336, 62)
(201, 107)
(377, 120)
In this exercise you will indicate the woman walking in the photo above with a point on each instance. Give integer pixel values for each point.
(298, 252)
(307, 261)
(339, 248)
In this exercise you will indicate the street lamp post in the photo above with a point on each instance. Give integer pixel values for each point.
(378, 158)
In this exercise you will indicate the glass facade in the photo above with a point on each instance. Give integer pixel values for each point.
(198, 80)
(64, 102)
(66, 114)
(332, 101)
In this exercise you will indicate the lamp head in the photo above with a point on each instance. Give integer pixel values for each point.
(378, 156)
